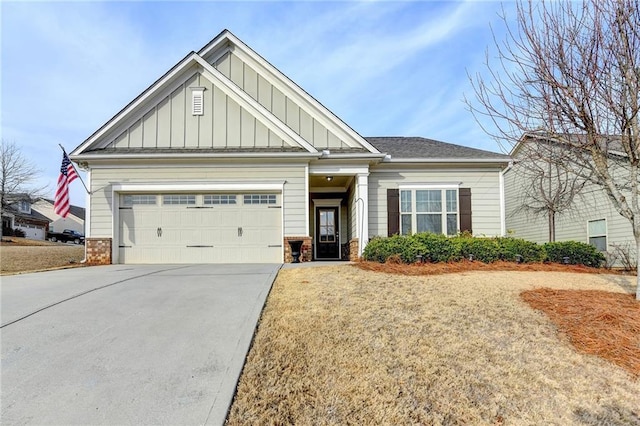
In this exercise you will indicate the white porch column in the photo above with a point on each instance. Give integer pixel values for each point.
(362, 207)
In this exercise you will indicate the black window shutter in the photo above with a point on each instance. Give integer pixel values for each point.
(464, 203)
(393, 212)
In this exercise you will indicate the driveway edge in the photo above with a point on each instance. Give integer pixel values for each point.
(222, 402)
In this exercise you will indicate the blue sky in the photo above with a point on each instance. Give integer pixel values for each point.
(385, 68)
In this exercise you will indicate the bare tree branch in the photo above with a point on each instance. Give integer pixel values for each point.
(570, 73)
(17, 175)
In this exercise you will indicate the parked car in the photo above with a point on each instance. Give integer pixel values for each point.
(66, 236)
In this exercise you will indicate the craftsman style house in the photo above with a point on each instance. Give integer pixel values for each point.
(225, 159)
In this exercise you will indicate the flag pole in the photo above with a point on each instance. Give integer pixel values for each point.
(74, 168)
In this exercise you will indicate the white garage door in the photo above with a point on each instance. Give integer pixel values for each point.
(200, 228)
(32, 232)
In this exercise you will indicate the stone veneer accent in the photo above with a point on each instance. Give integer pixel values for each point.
(98, 251)
(307, 249)
(354, 244)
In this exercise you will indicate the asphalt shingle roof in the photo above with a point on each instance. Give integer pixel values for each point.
(34, 215)
(417, 147)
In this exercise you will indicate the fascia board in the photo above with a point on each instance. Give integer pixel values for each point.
(246, 101)
(143, 97)
(178, 156)
(215, 43)
(337, 170)
(450, 160)
(365, 156)
(523, 139)
(286, 85)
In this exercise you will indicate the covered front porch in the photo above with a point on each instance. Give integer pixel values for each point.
(337, 214)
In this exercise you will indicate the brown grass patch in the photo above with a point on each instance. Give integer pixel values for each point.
(18, 241)
(340, 345)
(31, 258)
(596, 322)
(467, 266)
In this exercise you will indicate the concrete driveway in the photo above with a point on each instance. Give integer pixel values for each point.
(126, 344)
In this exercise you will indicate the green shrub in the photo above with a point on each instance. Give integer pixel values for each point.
(575, 252)
(510, 248)
(380, 249)
(436, 247)
(484, 250)
(440, 248)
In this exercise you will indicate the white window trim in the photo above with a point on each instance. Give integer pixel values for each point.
(24, 210)
(443, 212)
(605, 235)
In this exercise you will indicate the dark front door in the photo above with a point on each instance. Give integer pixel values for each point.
(327, 233)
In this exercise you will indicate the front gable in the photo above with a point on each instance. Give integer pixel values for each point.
(281, 96)
(247, 107)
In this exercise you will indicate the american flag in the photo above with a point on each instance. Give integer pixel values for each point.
(67, 175)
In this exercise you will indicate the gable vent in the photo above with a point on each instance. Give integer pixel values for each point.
(197, 100)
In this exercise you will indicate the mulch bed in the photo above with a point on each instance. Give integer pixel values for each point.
(596, 322)
(466, 266)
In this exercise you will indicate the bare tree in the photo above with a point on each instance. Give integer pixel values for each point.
(571, 72)
(16, 175)
(548, 186)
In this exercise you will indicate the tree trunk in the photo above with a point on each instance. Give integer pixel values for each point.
(552, 226)
(638, 268)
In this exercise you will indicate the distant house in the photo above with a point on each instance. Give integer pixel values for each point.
(225, 159)
(20, 215)
(73, 221)
(591, 217)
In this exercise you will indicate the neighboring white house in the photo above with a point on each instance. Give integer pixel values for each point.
(591, 218)
(18, 214)
(73, 221)
(225, 159)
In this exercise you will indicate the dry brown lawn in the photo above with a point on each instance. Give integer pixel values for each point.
(340, 345)
(22, 255)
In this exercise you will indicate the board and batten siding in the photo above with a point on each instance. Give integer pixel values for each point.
(293, 200)
(572, 224)
(169, 123)
(485, 195)
(288, 110)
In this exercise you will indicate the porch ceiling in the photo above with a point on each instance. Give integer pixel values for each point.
(321, 181)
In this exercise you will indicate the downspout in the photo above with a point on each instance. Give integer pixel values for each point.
(503, 219)
(87, 218)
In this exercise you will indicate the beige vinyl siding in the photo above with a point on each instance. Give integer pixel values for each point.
(293, 200)
(485, 194)
(519, 223)
(572, 224)
(170, 124)
(290, 111)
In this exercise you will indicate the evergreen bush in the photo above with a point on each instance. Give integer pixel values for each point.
(574, 253)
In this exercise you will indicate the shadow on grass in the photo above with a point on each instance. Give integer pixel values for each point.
(607, 415)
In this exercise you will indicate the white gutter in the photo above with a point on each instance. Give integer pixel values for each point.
(353, 156)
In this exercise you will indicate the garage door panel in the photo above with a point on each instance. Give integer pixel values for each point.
(224, 233)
